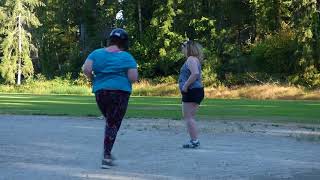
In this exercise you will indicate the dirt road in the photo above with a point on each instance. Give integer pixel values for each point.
(67, 148)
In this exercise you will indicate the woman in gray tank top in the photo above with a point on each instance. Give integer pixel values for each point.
(191, 88)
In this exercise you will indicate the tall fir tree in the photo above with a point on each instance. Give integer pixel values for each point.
(17, 45)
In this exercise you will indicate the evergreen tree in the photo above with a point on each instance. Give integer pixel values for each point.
(17, 46)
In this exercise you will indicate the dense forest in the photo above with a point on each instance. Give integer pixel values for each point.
(245, 41)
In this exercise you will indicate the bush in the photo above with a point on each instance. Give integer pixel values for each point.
(276, 54)
(310, 78)
(82, 80)
(40, 85)
(210, 78)
(167, 80)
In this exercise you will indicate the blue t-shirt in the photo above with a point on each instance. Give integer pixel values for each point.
(111, 70)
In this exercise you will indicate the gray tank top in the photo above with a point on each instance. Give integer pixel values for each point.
(184, 76)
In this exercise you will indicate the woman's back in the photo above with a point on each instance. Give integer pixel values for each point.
(110, 69)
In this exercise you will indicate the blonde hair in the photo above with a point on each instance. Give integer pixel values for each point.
(194, 49)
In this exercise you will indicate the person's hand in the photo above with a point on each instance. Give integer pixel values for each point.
(184, 89)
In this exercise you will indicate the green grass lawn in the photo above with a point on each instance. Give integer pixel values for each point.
(165, 107)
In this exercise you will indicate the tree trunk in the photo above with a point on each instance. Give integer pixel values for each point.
(140, 19)
(82, 38)
(20, 51)
(317, 48)
(277, 15)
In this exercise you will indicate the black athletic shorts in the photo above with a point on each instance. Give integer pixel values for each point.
(195, 95)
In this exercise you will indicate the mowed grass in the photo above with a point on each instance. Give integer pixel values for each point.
(166, 107)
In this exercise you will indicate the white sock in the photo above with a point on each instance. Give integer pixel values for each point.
(195, 141)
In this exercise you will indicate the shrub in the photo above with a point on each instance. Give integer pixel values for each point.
(310, 78)
(276, 54)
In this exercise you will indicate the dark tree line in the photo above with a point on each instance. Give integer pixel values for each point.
(246, 41)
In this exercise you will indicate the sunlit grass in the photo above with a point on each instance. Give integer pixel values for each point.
(148, 88)
(266, 91)
(165, 107)
(145, 88)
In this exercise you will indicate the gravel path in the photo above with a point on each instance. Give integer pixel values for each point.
(67, 148)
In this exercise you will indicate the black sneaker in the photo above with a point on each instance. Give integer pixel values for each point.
(192, 144)
(106, 163)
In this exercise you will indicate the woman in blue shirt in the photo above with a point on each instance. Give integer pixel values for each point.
(112, 70)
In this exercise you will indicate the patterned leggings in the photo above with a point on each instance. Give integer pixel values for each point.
(113, 105)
